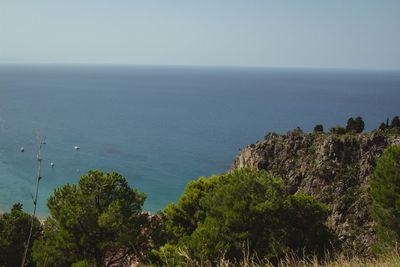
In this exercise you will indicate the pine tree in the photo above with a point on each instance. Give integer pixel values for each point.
(395, 122)
(385, 193)
(355, 125)
(350, 125)
(318, 128)
(93, 222)
(359, 125)
(382, 126)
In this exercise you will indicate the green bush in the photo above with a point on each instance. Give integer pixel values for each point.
(245, 208)
(96, 221)
(395, 122)
(337, 130)
(14, 231)
(318, 128)
(385, 193)
(355, 125)
(183, 218)
(382, 126)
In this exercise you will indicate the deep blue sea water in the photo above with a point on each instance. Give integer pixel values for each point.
(164, 126)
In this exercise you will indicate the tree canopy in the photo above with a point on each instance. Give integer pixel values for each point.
(355, 125)
(383, 126)
(385, 193)
(245, 208)
(338, 129)
(97, 222)
(14, 231)
(395, 122)
(319, 128)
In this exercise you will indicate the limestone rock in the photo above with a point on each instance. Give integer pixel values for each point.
(333, 168)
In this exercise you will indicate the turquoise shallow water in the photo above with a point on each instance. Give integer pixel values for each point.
(164, 126)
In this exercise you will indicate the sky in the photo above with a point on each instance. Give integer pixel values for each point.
(351, 34)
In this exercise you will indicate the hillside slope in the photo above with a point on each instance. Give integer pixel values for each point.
(333, 168)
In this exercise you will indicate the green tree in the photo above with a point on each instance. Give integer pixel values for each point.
(382, 126)
(182, 219)
(337, 130)
(359, 125)
(305, 231)
(99, 222)
(298, 130)
(14, 231)
(355, 125)
(318, 128)
(350, 125)
(395, 122)
(248, 207)
(385, 193)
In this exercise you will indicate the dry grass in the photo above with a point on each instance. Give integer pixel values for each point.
(390, 260)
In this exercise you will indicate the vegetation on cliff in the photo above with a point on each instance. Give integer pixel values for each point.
(14, 230)
(289, 199)
(385, 193)
(221, 215)
(99, 221)
(333, 168)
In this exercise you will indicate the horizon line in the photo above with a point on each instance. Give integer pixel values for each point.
(200, 66)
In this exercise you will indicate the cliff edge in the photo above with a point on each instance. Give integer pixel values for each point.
(333, 168)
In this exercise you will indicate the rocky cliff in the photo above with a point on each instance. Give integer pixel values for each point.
(333, 168)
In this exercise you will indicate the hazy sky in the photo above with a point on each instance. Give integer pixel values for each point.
(280, 33)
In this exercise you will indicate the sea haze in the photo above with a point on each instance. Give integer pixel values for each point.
(163, 126)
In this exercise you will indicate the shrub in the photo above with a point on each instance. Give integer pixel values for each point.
(395, 122)
(355, 125)
(298, 130)
(14, 230)
(182, 219)
(246, 208)
(98, 221)
(318, 128)
(385, 193)
(337, 130)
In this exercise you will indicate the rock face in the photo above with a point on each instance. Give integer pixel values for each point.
(333, 168)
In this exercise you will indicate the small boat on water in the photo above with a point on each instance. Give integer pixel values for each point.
(77, 147)
(52, 164)
(22, 149)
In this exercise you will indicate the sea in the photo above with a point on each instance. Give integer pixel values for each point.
(164, 126)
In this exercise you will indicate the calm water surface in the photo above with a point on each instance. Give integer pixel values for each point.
(164, 126)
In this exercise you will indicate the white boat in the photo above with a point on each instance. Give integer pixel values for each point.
(52, 164)
(77, 147)
(22, 149)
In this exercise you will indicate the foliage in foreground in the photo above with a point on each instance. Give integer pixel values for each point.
(14, 231)
(97, 222)
(390, 259)
(216, 217)
(385, 193)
